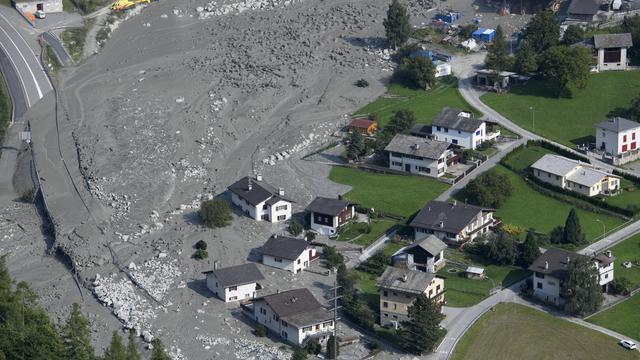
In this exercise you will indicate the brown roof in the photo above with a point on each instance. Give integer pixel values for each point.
(362, 123)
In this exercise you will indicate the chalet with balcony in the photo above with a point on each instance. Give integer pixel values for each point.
(420, 156)
(328, 214)
(426, 255)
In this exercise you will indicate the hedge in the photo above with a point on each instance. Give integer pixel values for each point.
(634, 179)
(559, 150)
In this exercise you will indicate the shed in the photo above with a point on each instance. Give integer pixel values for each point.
(31, 6)
(448, 17)
(474, 272)
(484, 34)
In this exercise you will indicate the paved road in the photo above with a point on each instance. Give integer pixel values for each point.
(612, 239)
(16, 92)
(58, 48)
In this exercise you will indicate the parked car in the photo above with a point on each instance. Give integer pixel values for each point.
(40, 14)
(628, 344)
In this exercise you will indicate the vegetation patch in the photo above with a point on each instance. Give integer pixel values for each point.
(74, 40)
(52, 60)
(363, 233)
(622, 318)
(5, 107)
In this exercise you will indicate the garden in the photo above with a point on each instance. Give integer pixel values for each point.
(622, 318)
(363, 233)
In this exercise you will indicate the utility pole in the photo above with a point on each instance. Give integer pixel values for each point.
(335, 314)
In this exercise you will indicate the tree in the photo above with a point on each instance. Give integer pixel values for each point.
(422, 331)
(525, 61)
(620, 286)
(158, 352)
(360, 312)
(566, 67)
(132, 347)
(116, 349)
(572, 233)
(530, 250)
(498, 57)
(581, 287)
(396, 25)
(313, 347)
(333, 348)
(376, 264)
(418, 71)
(355, 146)
(299, 354)
(76, 334)
(401, 122)
(573, 34)
(295, 227)
(333, 257)
(465, 31)
(543, 31)
(215, 213)
(502, 249)
(489, 189)
(556, 235)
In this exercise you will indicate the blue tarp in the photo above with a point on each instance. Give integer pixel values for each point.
(449, 17)
(484, 34)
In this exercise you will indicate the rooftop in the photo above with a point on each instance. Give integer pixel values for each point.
(457, 119)
(327, 206)
(447, 217)
(362, 123)
(414, 282)
(421, 130)
(417, 146)
(603, 41)
(284, 247)
(554, 262)
(237, 275)
(618, 124)
(297, 306)
(255, 191)
(556, 164)
(584, 7)
(430, 244)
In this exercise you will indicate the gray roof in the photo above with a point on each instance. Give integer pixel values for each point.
(307, 318)
(421, 130)
(414, 282)
(237, 275)
(584, 7)
(417, 146)
(604, 259)
(454, 217)
(284, 247)
(555, 164)
(475, 270)
(451, 118)
(260, 191)
(297, 306)
(603, 41)
(327, 206)
(554, 262)
(430, 244)
(618, 124)
(587, 176)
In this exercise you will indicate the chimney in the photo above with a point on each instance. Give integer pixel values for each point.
(608, 253)
(281, 191)
(441, 224)
(546, 265)
(339, 197)
(278, 291)
(404, 277)
(294, 299)
(416, 146)
(454, 203)
(215, 265)
(250, 186)
(259, 177)
(568, 259)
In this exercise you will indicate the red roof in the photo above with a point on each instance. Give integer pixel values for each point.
(363, 123)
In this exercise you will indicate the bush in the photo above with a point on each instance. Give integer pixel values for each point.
(376, 264)
(314, 347)
(299, 354)
(215, 213)
(333, 257)
(362, 83)
(201, 245)
(295, 227)
(310, 235)
(201, 254)
(331, 349)
(490, 189)
(28, 196)
(261, 331)
(620, 286)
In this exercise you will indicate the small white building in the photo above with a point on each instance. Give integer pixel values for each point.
(287, 253)
(295, 315)
(426, 255)
(574, 175)
(619, 138)
(259, 200)
(235, 283)
(550, 269)
(421, 156)
(611, 51)
(459, 128)
(327, 214)
(31, 6)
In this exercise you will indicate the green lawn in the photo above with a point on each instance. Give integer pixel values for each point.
(530, 209)
(5, 107)
(396, 194)
(356, 231)
(425, 104)
(627, 197)
(623, 318)
(568, 121)
(628, 250)
(514, 331)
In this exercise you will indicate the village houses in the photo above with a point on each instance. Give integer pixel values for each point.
(426, 255)
(235, 283)
(327, 214)
(619, 137)
(458, 127)
(288, 253)
(295, 316)
(550, 269)
(418, 155)
(259, 200)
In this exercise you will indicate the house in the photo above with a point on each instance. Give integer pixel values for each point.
(619, 138)
(327, 214)
(399, 289)
(426, 255)
(235, 283)
(611, 51)
(584, 10)
(452, 222)
(259, 200)
(492, 79)
(474, 272)
(295, 315)
(574, 175)
(364, 126)
(458, 127)
(550, 269)
(419, 155)
(31, 6)
(287, 253)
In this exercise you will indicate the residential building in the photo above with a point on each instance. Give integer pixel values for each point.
(611, 51)
(550, 270)
(259, 200)
(619, 138)
(327, 214)
(399, 289)
(452, 222)
(426, 255)
(419, 155)
(287, 253)
(364, 126)
(584, 10)
(458, 127)
(295, 315)
(31, 6)
(235, 283)
(574, 175)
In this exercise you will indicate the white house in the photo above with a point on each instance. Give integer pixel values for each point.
(327, 214)
(611, 51)
(259, 200)
(418, 155)
(426, 255)
(574, 175)
(550, 270)
(295, 315)
(31, 6)
(452, 222)
(287, 253)
(619, 138)
(235, 283)
(458, 127)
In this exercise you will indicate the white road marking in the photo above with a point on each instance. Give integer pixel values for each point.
(24, 87)
(26, 63)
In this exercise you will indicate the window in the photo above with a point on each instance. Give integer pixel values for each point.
(386, 315)
(438, 128)
(232, 298)
(624, 138)
(612, 55)
(298, 261)
(278, 260)
(446, 130)
(265, 207)
(385, 304)
(282, 217)
(424, 169)
(438, 288)
(395, 294)
(395, 316)
(557, 177)
(233, 288)
(396, 163)
(307, 329)
(395, 306)
(281, 208)
(263, 311)
(454, 141)
(633, 145)
(548, 174)
(386, 293)
(284, 323)
(624, 147)
(539, 285)
(633, 136)
(606, 276)
(275, 317)
(538, 172)
(430, 292)
(478, 132)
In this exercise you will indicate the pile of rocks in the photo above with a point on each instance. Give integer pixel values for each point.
(156, 276)
(215, 9)
(248, 349)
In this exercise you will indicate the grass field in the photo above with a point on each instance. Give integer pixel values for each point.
(425, 104)
(396, 194)
(623, 318)
(5, 107)
(530, 209)
(514, 331)
(628, 250)
(568, 121)
(355, 231)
